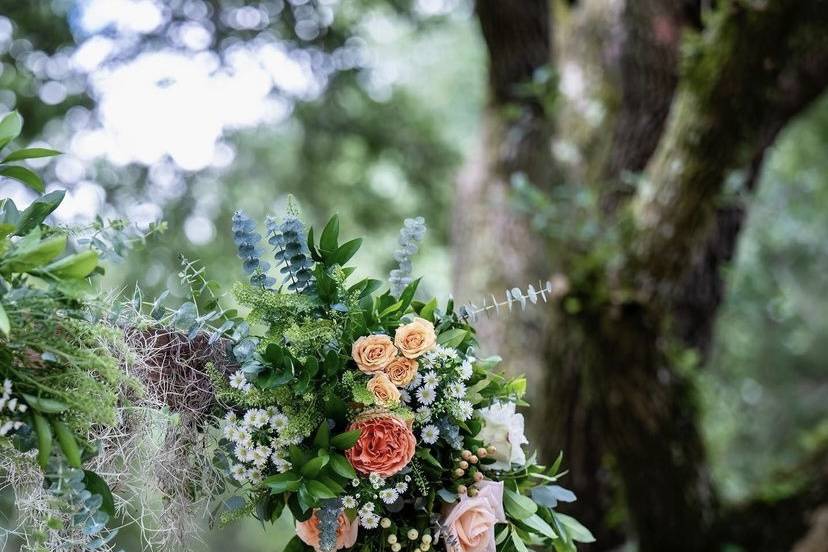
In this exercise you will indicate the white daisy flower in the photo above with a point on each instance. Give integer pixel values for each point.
(431, 379)
(349, 502)
(254, 476)
(429, 434)
(426, 394)
(231, 432)
(238, 471)
(457, 390)
(424, 414)
(261, 455)
(278, 422)
(256, 417)
(230, 417)
(244, 453)
(238, 380)
(389, 496)
(282, 465)
(466, 370)
(369, 521)
(366, 508)
(405, 396)
(401, 487)
(244, 438)
(376, 481)
(355, 482)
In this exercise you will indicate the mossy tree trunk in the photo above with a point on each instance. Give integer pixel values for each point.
(612, 374)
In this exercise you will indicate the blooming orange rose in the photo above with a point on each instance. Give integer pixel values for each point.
(401, 371)
(385, 446)
(346, 533)
(372, 353)
(470, 523)
(385, 392)
(415, 338)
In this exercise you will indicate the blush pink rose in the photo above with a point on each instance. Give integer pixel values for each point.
(346, 533)
(385, 446)
(471, 522)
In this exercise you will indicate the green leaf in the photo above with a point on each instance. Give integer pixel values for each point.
(537, 524)
(330, 235)
(74, 267)
(44, 405)
(296, 545)
(574, 528)
(297, 456)
(342, 467)
(30, 153)
(44, 439)
(5, 325)
(282, 482)
(426, 455)
(96, 485)
(323, 436)
(346, 440)
(518, 506)
(24, 175)
(68, 443)
(10, 127)
(37, 212)
(427, 312)
(319, 490)
(314, 465)
(518, 542)
(452, 338)
(345, 251)
(408, 294)
(331, 484)
(32, 257)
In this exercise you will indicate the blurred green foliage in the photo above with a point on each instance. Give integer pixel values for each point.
(378, 158)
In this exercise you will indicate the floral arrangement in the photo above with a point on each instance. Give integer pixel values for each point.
(368, 415)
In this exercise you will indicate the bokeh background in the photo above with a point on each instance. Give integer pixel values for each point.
(187, 110)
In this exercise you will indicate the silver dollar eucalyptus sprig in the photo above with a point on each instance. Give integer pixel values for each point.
(247, 242)
(515, 296)
(411, 234)
(291, 251)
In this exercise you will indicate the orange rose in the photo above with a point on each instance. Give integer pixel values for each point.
(415, 338)
(385, 393)
(401, 371)
(385, 446)
(346, 533)
(372, 353)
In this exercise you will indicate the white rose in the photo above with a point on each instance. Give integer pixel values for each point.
(503, 428)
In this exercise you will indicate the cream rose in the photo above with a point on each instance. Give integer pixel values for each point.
(415, 338)
(470, 524)
(503, 428)
(401, 371)
(372, 353)
(384, 391)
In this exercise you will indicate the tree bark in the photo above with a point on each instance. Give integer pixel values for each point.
(619, 398)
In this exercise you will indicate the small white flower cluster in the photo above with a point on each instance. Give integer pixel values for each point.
(439, 388)
(239, 381)
(7, 402)
(367, 518)
(258, 439)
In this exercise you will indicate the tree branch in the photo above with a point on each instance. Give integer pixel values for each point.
(735, 91)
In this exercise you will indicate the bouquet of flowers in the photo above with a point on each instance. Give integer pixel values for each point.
(369, 415)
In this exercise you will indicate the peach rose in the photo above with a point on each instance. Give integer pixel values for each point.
(401, 371)
(372, 353)
(385, 446)
(346, 533)
(385, 392)
(471, 522)
(415, 338)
